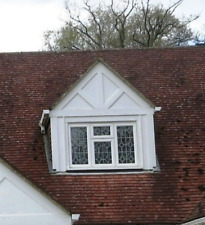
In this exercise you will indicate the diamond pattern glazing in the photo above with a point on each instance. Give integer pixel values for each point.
(103, 153)
(99, 131)
(125, 140)
(79, 145)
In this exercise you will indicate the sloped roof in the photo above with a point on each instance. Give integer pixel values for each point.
(171, 78)
(101, 61)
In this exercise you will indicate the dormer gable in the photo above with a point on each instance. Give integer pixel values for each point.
(102, 90)
(102, 123)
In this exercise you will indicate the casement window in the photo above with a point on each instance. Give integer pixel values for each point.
(102, 123)
(108, 145)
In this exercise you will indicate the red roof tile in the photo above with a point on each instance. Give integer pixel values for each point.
(171, 78)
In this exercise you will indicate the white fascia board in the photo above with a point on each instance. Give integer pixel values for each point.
(199, 221)
(45, 112)
(102, 112)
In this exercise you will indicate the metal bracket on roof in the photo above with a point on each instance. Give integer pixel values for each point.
(157, 109)
(75, 217)
(45, 114)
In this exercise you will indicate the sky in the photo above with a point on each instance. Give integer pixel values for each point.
(23, 22)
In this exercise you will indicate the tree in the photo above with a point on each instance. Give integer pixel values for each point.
(132, 24)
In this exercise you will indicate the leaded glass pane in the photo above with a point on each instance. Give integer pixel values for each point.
(103, 153)
(125, 139)
(79, 145)
(104, 130)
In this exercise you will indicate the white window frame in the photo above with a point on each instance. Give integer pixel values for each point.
(101, 138)
(101, 125)
(93, 153)
(91, 139)
(78, 166)
(136, 147)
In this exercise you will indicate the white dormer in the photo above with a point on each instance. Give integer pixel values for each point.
(102, 123)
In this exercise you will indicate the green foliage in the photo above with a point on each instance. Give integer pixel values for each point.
(133, 25)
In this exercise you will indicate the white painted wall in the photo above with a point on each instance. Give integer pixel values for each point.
(22, 204)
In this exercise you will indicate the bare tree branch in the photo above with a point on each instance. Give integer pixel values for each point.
(128, 25)
(78, 28)
(89, 10)
(121, 19)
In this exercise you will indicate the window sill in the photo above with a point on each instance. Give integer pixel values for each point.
(106, 172)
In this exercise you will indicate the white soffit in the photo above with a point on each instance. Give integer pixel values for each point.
(21, 203)
(102, 89)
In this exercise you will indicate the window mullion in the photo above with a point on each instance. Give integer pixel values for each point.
(90, 147)
(136, 140)
(115, 145)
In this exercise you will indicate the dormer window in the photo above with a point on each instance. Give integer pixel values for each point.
(110, 145)
(102, 123)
